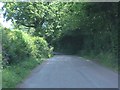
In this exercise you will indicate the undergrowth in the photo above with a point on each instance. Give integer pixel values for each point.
(16, 73)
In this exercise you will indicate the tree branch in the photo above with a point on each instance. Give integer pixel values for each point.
(26, 25)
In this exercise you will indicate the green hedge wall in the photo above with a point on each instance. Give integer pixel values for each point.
(18, 45)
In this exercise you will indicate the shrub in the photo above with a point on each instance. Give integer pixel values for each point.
(17, 45)
(14, 45)
(40, 50)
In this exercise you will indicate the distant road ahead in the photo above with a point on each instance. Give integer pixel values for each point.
(67, 71)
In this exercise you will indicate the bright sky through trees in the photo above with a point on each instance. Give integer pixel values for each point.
(4, 23)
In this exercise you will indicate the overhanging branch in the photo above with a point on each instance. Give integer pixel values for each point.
(26, 25)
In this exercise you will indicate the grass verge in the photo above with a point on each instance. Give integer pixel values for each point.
(105, 59)
(16, 73)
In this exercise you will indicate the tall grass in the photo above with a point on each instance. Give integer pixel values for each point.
(16, 73)
(104, 58)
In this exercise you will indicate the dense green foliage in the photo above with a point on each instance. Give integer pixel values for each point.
(18, 45)
(44, 18)
(94, 35)
(21, 53)
(16, 73)
(86, 29)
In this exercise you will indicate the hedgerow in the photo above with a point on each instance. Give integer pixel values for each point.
(18, 45)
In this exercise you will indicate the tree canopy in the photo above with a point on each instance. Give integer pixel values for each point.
(93, 26)
(45, 18)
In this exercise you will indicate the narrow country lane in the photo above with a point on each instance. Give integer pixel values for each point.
(67, 71)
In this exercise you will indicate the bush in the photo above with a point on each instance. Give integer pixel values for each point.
(40, 48)
(18, 45)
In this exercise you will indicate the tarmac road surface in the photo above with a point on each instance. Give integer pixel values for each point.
(67, 71)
